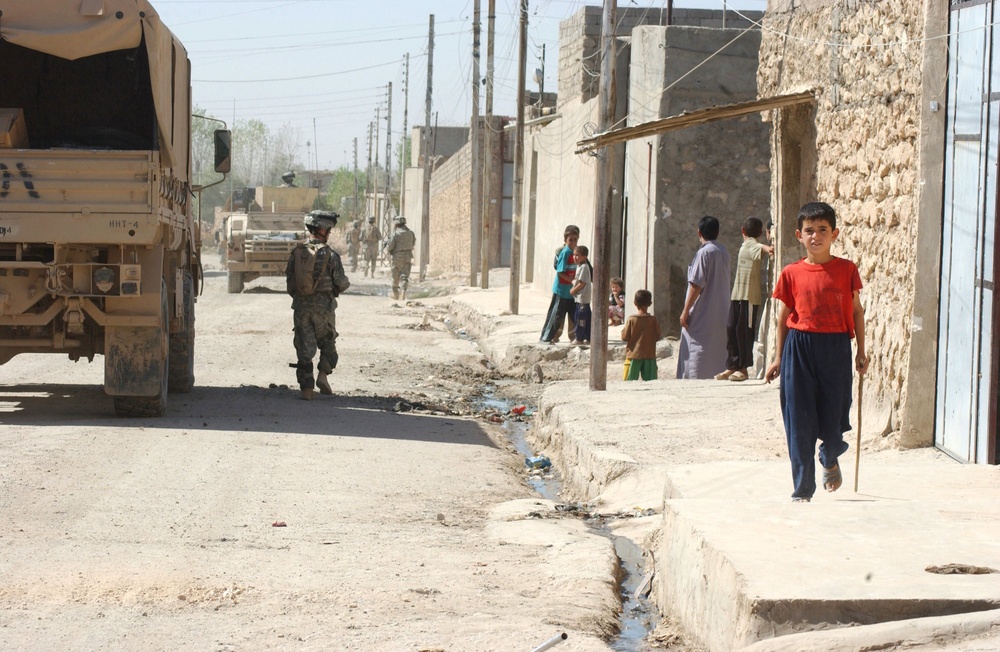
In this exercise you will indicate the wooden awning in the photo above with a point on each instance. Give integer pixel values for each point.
(690, 118)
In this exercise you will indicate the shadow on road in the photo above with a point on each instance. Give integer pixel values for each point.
(239, 409)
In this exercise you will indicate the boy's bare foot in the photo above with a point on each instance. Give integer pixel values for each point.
(832, 478)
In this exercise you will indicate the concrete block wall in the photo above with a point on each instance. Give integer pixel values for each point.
(867, 151)
(720, 169)
(580, 40)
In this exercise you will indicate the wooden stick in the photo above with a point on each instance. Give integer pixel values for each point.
(857, 446)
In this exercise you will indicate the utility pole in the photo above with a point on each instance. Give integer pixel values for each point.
(315, 152)
(487, 212)
(476, 200)
(378, 128)
(425, 209)
(387, 211)
(515, 228)
(403, 163)
(541, 84)
(368, 174)
(355, 211)
(604, 193)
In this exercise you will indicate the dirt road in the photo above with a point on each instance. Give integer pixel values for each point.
(247, 519)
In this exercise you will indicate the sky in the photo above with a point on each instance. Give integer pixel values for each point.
(322, 67)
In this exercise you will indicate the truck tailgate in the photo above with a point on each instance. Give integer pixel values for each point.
(75, 181)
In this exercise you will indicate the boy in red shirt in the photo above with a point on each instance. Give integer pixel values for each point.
(820, 311)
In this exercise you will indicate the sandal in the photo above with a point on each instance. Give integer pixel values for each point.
(724, 375)
(832, 478)
(800, 499)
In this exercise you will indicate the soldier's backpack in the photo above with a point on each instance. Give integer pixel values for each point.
(304, 278)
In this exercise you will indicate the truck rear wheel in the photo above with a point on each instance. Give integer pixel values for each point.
(235, 282)
(151, 406)
(182, 345)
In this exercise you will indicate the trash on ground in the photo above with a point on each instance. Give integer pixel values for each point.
(961, 569)
(537, 462)
(519, 409)
(279, 524)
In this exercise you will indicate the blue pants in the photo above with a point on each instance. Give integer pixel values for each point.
(582, 320)
(558, 311)
(815, 392)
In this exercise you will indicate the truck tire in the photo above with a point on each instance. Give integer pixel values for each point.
(151, 406)
(182, 345)
(235, 282)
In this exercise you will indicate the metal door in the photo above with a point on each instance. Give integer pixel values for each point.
(965, 341)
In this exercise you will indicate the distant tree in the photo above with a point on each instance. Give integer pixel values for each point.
(339, 193)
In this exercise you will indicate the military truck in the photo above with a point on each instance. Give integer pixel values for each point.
(262, 233)
(98, 247)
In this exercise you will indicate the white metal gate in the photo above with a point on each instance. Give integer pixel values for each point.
(964, 426)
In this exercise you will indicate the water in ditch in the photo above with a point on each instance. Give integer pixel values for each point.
(638, 616)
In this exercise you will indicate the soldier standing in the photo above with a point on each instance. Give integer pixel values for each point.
(353, 244)
(288, 180)
(314, 278)
(371, 236)
(400, 247)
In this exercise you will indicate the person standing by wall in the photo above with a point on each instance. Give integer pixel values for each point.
(562, 303)
(702, 351)
(745, 303)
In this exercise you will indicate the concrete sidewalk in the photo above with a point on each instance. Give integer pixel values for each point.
(738, 564)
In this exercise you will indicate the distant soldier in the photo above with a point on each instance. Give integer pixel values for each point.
(400, 247)
(354, 244)
(288, 180)
(371, 237)
(314, 278)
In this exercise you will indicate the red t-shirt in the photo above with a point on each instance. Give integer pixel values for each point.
(820, 297)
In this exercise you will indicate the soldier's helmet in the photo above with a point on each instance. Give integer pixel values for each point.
(288, 177)
(400, 220)
(321, 220)
(371, 219)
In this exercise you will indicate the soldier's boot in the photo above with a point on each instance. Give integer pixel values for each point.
(405, 288)
(395, 293)
(308, 393)
(323, 384)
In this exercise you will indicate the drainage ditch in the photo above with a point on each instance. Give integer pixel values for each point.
(638, 615)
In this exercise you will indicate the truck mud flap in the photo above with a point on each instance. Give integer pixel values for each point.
(133, 361)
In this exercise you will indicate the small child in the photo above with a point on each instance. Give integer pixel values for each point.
(616, 302)
(562, 301)
(820, 312)
(641, 333)
(745, 304)
(582, 290)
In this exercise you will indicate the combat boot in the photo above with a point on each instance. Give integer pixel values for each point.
(307, 394)
(395, 293)
(323, 384)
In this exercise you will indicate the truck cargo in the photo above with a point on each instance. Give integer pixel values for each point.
(98, 247)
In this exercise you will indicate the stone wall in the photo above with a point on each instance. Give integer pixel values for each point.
(450, 231)
(863, 60)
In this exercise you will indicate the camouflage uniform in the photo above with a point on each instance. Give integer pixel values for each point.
(371, 236)
(315, 317)
(400, 247)
(354, 244)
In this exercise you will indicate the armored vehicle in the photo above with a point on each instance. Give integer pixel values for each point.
(98, 248)
(260, 237)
